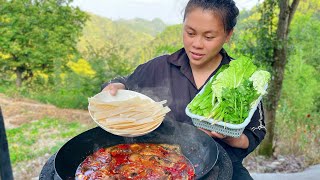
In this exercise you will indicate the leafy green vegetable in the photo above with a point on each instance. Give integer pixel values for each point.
(232, 92)
(236, 102)
(260, 79)
(232, 77)
(201, 104)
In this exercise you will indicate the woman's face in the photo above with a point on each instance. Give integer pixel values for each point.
(203, 36)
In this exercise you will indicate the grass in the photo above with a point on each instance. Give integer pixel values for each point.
(60, 97)
(300, 138)
(35, 139)
(66, 99)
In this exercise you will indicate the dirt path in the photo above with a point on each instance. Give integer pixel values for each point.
(17, 111)
(311, 173)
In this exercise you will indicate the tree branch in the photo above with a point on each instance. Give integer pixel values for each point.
(292, 9)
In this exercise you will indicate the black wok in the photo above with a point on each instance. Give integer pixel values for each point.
(197, 146)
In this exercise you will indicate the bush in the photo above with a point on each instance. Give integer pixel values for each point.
(298, 115)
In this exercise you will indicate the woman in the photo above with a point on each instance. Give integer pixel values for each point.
(207, 26)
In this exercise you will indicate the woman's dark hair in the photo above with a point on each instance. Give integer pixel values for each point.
(227, 9)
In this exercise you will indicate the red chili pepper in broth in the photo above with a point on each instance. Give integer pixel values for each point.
(163, 151)
(98, 152)
(102, 150)
(123, 146)
(120, 159)
(181, 166)
(191, 173)
(171, 170)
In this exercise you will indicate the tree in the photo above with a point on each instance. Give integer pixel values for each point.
(167, 42)
(37, 35)
(278, 63)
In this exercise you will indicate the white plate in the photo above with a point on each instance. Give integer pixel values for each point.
(122, 95)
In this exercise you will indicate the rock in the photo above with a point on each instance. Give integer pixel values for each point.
(280, 163)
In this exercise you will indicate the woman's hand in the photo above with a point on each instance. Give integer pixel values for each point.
(240, 142)
(113, 88)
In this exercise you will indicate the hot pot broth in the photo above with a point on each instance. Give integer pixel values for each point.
(196, 145)
(137, 161)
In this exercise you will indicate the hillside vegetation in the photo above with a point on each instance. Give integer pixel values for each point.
(107, 49)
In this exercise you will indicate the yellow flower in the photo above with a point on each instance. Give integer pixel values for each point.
(81, 67)
(4, 56)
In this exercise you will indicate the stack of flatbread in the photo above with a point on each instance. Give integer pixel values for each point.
(128, 113)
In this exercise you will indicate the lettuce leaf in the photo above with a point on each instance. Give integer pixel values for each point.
(238, 71)
(260, 78)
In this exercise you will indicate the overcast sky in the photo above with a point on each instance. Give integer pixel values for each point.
(170, 11)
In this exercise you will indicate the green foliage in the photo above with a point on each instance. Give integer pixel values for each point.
(111, 61)
(300, 84)
(255, 35)
(102, 34)
(167, 42)
(153, 27)
(37, 138)
(112, 47)
(299, 105)
(243, 40)
(298, 111)
(267, 33)
(37, 34)
(306, 28)
(70, 91)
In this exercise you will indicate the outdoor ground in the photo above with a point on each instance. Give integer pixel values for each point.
(17, 111)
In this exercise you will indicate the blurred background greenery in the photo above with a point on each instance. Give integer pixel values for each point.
(57, 54)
